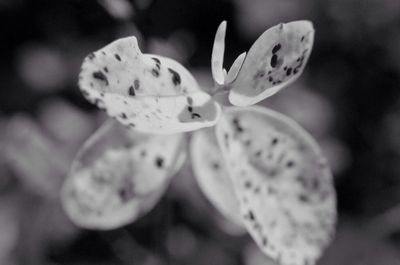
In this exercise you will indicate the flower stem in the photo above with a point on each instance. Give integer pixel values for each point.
(219, 89)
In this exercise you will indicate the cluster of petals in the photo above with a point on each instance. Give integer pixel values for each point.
(259, 168)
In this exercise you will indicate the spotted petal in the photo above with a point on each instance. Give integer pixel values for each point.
(282, 181)
(118, 175)
(148, 92)
(275, 60)
(212, 175)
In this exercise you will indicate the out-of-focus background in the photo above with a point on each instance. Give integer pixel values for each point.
(348, 98)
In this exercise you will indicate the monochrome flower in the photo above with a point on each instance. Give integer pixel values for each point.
(259, 168)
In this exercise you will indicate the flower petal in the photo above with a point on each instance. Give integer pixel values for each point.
(282, 181)
(148, 92)
(118, 175)
(217, 57)
(235, 68)
(275, 60)
(212, 175)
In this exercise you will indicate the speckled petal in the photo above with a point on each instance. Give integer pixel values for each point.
(150, 93)
(275, 60)
(282, 181)
(217, 57)
(212, 175)
(119, 175)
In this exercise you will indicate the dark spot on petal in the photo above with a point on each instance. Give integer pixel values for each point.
(176, 78)
(126, 192)
(238, 128)
(100, 76)
(215, 165)
(315, 184)
(260, 74)
(189, 100)
(226, 140)
(257, 226)
(105, 69)
(276, 48)
(156, 60)
(117, 57)
(301, 180)
(91, 56)
(195, 115)
(290, 164)
(190, 109)
(131, 91)
(158, 63)
(274, 141)
(136, 84)
(247, 184)
(123, 194)
(128, 145)
(251, 215)
(264, 241)
(274, 61)
(289, 71)
(155, 72)
(159, 162)
(143, 153)
(303, 198)
(123, 116)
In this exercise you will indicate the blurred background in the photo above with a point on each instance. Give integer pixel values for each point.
(348, 98)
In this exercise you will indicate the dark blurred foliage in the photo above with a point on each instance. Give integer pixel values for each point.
(348, 98)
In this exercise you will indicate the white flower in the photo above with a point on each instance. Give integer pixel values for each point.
(258, 167)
